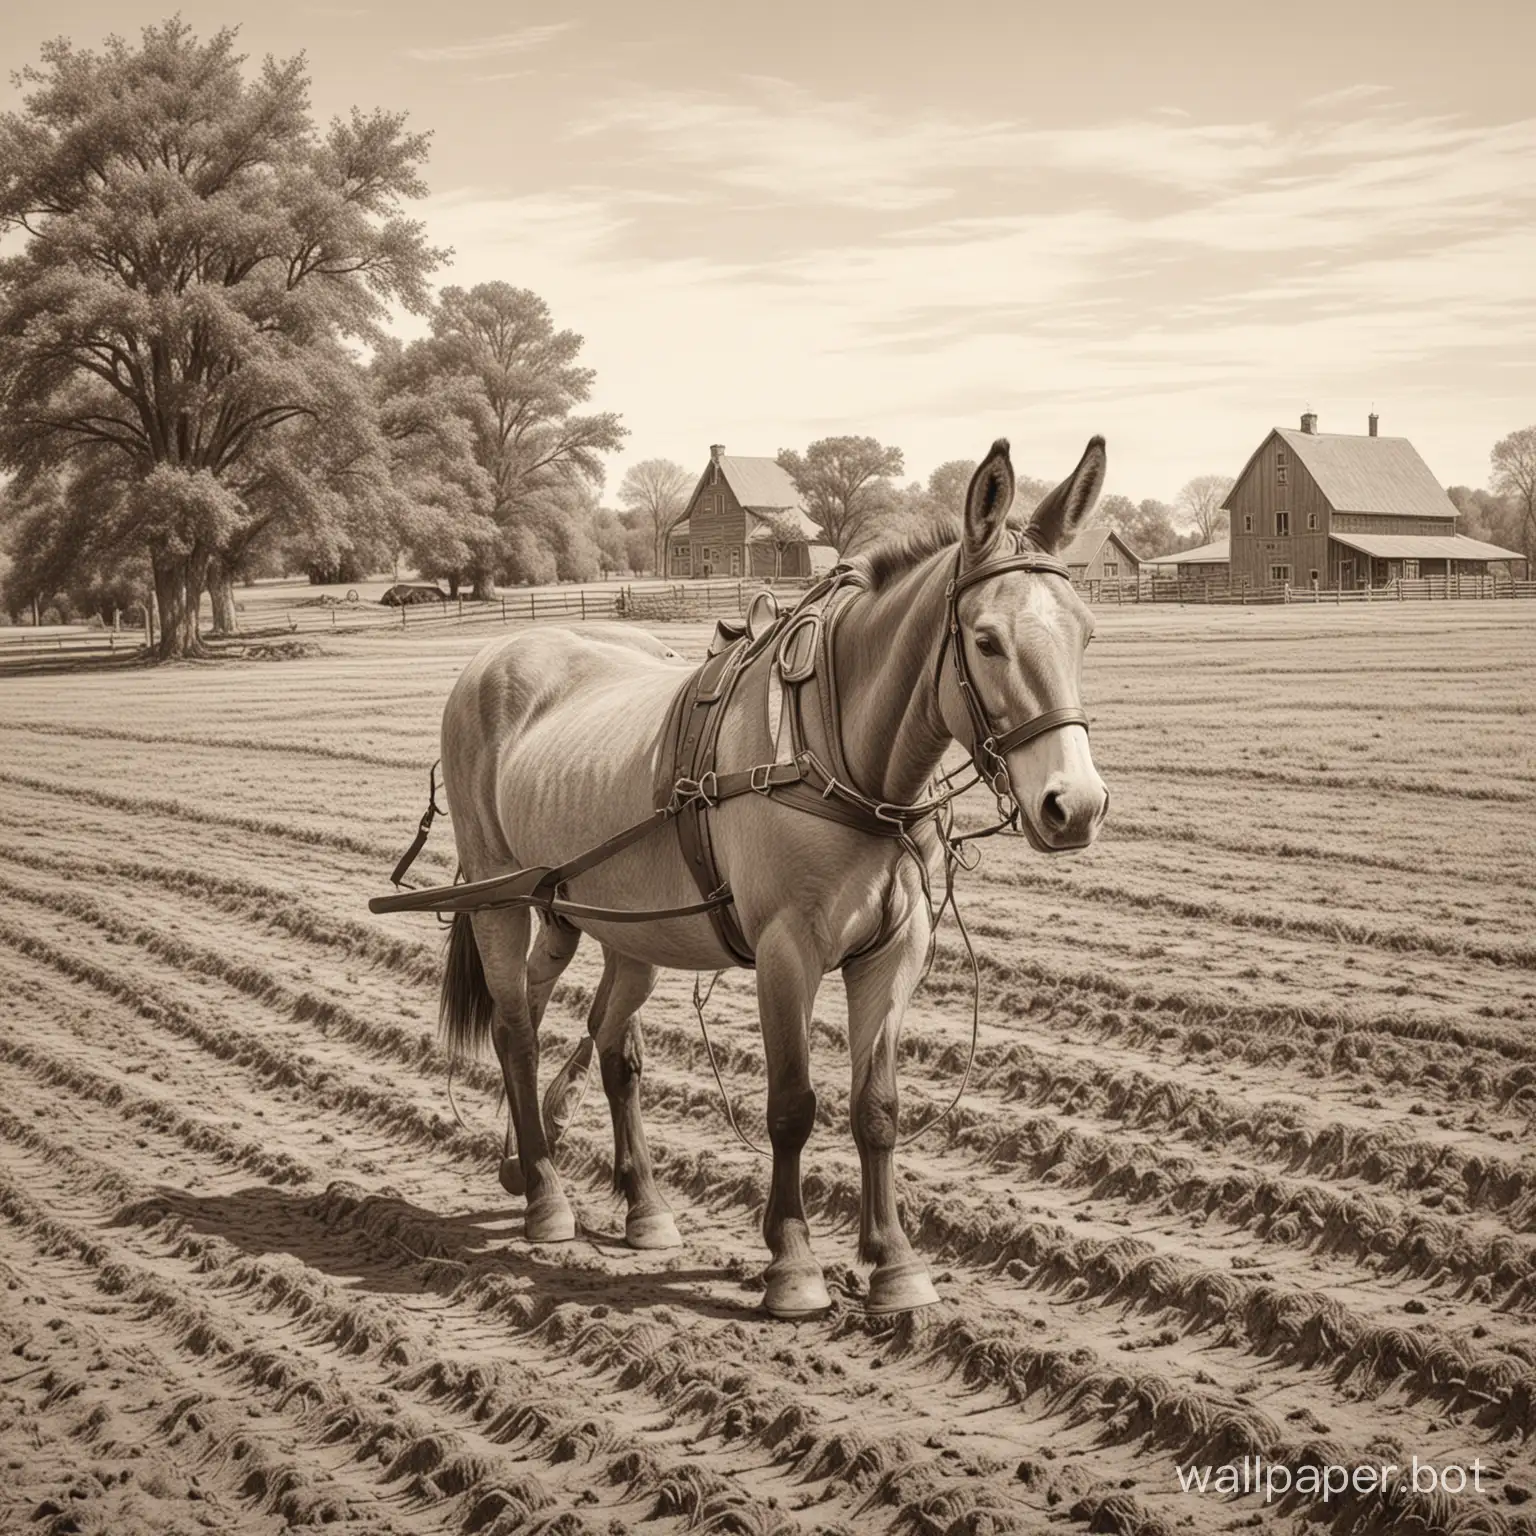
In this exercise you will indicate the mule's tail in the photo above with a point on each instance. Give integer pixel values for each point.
(465, 1007)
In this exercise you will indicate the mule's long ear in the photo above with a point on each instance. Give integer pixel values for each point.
(988, 499)
(1058, 516)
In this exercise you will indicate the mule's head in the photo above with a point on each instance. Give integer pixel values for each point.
(1023, 635)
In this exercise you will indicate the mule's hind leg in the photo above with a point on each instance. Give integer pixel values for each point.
(879, 985)
(502, 939)
(615, 1026)
(554, 947)
(788, 975)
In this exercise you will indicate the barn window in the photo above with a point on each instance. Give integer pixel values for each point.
(1280, 456)
(1279, 575)
(1282, 524)
(1312, 521)
(1111, 568)
(1247, 522)
(1411, 569)
(1280, 475)
(1314, 581)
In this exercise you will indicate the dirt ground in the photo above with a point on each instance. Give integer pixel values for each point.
(1248, 1167)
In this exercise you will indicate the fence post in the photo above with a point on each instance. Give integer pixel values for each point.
(333, 618)
(583, 602)
(461, 605)
(503, 607)
(403, 607)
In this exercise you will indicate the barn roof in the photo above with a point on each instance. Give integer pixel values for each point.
(759, 484)
(1218, 553)
(1366, 474)
(1416, 546)
(797, 519)
(1087, 542)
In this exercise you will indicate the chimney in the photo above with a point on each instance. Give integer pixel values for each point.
(1309, 423)
(1373, 419)
(716, 452)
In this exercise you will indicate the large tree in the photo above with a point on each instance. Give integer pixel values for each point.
(1200, 501)
(519, 384)
(657, 489)
(845, 485)
(1514, 476)
(194, 259)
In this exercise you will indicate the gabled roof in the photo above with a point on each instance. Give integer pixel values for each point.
(793, 516)
(1419, 546)
(1365, 474)
(1217, 553)
(758, 528)
(760, 485)
(1087, 542)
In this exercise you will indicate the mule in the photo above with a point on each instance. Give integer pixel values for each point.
(552, 741)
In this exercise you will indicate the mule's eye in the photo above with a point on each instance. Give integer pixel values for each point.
(986, 645)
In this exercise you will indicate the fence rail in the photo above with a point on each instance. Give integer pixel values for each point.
(662, 602)
(1194, 589)
(655, 602)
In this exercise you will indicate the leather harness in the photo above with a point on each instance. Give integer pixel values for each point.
(797, 652)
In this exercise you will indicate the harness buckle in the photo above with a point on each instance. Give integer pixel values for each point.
(757, 779)
(705, 790)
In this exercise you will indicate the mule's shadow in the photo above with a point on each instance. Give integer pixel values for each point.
(385, 1245)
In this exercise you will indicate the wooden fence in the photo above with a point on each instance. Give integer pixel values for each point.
(1194, 589)
(653, 602)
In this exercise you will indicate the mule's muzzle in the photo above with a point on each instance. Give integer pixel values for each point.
(1069, 813)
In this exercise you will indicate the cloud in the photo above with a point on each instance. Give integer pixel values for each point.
(490, 47)
(758, 265)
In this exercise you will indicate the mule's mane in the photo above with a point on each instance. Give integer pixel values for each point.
(896, 556)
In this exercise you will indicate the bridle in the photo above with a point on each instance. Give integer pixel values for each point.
(989, 746)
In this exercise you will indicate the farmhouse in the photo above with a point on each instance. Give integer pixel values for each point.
(1206, 562)
(745, 518)
(1100, 554)
(1335, 510)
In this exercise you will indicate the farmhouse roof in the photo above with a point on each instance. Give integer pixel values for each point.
(759, 528)
(1366, 474)
(760, 485)
(1417, 546)
(1087, 542)
(1217, 553)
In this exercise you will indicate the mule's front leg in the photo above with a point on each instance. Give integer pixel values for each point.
(788, 974)
(880, 985)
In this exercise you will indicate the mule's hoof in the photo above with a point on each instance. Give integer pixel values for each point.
(900, 1288)
(655, 1231)
(511, 1176)
(796, 1290)
(550, 1220)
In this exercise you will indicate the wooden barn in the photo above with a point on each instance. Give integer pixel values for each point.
(744, 518)
(1100, 554)
(1338, 510)
(1205, 562)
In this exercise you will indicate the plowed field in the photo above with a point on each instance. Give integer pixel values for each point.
(1248, 1167)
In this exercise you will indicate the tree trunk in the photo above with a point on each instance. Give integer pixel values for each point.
(453, 585)
(179, 582)
(484, 589)
(221, 593)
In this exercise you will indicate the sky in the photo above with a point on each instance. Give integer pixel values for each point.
(1176, 225)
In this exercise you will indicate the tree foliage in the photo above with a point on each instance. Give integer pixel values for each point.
(194, 258)
(1200, 502)
(845, 485)
(1514, 476)
(516, 381)
(657, 489)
